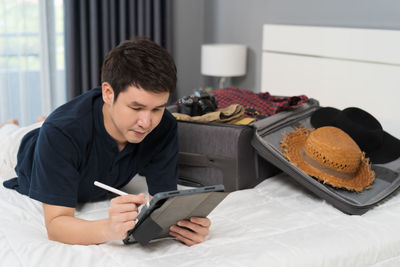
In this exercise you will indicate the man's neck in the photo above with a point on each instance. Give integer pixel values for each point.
(121, 146)
(111, 130)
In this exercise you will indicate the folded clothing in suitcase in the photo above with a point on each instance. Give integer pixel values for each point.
(269, 133)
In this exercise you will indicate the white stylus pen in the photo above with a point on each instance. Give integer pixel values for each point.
(118, 192)
(147, 200)
(109, 188)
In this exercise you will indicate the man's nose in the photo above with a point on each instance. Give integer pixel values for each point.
(144, 120)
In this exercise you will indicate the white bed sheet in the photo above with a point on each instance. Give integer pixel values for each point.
(275, 224)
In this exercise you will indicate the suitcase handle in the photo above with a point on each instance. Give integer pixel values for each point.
(226, 165)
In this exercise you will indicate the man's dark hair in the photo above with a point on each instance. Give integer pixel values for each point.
(141, 63)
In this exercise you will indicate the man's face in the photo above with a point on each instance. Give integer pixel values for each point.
(134, 114)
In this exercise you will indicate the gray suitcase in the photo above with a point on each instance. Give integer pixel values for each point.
(218, 153)
(267, 137)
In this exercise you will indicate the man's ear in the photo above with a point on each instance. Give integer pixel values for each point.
(107, 92)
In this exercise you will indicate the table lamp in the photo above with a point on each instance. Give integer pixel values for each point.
(223, 60)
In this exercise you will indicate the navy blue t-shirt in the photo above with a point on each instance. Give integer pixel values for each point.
(58, 163)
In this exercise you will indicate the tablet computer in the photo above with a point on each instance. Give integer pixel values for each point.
(167, 208)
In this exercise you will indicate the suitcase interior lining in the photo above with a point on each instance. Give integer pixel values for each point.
(386, 174)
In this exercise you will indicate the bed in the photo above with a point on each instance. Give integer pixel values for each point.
(277, 223)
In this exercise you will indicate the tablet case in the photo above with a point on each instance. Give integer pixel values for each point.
(172, 210)
(266, 140)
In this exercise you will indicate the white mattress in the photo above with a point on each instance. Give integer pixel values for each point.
(275, 224)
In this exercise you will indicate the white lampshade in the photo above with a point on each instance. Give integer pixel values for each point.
(223, 60)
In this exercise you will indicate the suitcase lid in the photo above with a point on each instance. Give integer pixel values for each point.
(266, 141)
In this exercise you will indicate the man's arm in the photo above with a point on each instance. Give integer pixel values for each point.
(63, 226)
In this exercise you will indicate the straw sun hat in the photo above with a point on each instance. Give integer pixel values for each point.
(329, 155)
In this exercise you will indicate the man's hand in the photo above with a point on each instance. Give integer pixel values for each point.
(191, 232)
(63, 226)
(122, 213)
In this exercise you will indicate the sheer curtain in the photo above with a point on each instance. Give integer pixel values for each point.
(32, 72)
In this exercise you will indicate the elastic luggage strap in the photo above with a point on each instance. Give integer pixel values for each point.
(226, 165)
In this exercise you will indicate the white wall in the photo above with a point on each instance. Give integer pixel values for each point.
(240, 21)
(188, 31)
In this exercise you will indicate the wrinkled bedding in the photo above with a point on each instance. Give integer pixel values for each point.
(276, 223)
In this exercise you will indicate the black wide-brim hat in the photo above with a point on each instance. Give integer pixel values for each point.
(366, 131)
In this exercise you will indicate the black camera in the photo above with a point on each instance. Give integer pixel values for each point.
(197, 104)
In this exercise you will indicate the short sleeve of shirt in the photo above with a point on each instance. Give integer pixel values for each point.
(55, 179)
(162, 171)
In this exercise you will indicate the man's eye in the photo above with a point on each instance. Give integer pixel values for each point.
(135, 108)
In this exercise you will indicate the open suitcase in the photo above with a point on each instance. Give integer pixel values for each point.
(242, 156)
(267, 137)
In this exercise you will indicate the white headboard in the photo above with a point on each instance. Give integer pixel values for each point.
(340, 67)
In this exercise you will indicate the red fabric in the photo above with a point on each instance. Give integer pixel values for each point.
(264, 103)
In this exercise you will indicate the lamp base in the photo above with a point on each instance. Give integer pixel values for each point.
(221, 82)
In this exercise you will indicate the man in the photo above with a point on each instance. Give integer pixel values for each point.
(107, 134)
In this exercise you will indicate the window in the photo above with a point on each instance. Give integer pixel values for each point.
(32, 72)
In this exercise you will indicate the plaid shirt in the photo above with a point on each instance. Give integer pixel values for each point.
(264, 103)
